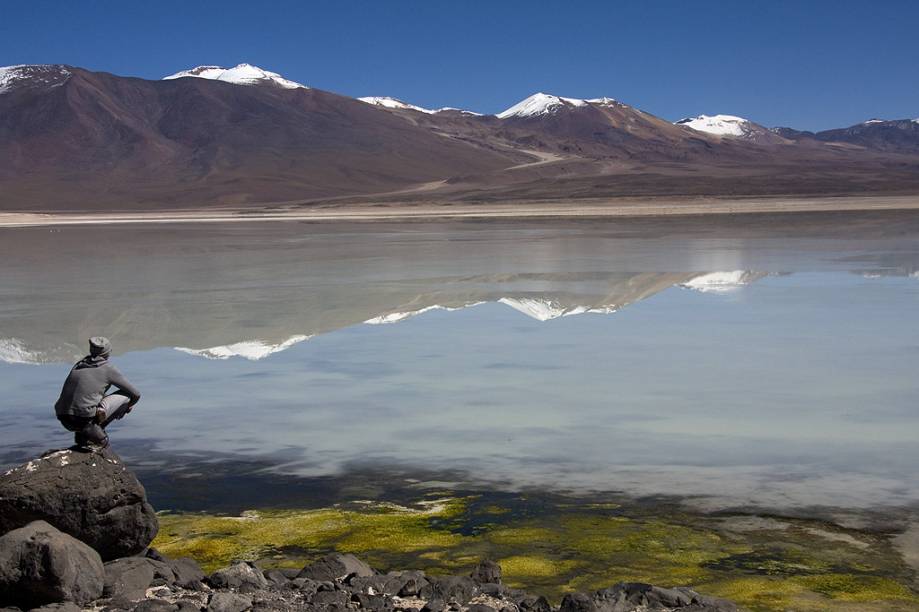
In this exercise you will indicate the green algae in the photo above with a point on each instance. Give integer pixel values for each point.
(553, 548)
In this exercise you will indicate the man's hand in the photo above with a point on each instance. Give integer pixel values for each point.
(100, 415)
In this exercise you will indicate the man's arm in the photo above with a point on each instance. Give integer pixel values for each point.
(117, 378)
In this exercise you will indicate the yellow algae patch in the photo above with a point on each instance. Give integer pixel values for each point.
(757, 592)
(524, 535)
(855, 588)
(214, 541)
(521, 568)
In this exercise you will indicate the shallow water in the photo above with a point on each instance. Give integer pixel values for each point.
(763, 361)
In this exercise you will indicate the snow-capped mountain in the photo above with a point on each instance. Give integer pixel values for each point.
(393, 103)
(539, 104)
(242, 74)
(33, 75)
(547, 104)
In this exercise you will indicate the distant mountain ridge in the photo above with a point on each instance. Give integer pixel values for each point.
(244, 136)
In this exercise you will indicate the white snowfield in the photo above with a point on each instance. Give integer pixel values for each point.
(720, 125)
(14, 350)
(546, 310)
(388, 102)
(721, 282)
(253, 350)
(243, 74)
(51, 74)
(395, 317)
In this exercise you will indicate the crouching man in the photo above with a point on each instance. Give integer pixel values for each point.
(83, 407)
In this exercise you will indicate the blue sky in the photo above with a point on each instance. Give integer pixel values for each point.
(806, 64)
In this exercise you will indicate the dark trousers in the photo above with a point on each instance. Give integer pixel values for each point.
(87, 430)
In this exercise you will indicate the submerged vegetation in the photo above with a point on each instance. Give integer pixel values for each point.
(552, 547)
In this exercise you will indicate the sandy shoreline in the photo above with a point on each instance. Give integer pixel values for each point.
(516, 210)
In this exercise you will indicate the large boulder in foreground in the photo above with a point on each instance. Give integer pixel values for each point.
(40, 565)
(89, 495)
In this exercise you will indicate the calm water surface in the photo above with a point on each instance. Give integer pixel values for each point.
(763, 361)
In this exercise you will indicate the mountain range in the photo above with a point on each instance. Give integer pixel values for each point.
(74, 139)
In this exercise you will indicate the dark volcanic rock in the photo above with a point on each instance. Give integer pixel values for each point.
(487, 572)
(185, 571)
(577, 602)
(188, 573)
(64, 606)
(336, 566)
(328, 598)
(276, 577)
(155, 605)
(241, 575)
(435, 605)
(128, 578)
(40, 565)
(228, 602)
(532, 603)
(89, 495)
(450, 588)
(373, 603)
(410, 583)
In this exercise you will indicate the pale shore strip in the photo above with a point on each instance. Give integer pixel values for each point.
(438, 211)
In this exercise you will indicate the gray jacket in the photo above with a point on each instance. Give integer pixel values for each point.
(87, 384)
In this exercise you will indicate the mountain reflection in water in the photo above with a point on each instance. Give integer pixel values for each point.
(750, 363)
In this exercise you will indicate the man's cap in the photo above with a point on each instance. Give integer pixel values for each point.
(99, 345)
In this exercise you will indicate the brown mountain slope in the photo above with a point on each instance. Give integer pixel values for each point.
(95, 140)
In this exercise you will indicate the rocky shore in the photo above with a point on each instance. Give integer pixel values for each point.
(76, 531)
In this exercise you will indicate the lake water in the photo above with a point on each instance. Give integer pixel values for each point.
(757, 361)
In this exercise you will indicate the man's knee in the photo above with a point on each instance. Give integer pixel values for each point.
(111, 403)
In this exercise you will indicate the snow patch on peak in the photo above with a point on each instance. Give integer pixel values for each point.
(445, 109)
(604, 101)
(546, 310)
(242, 74)
(395, 317)
(387, 102)
(871, 121)
(540, 104)
(720, 125)
(253, 350)
(50, 75)
(721, 282)
(13, 350)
